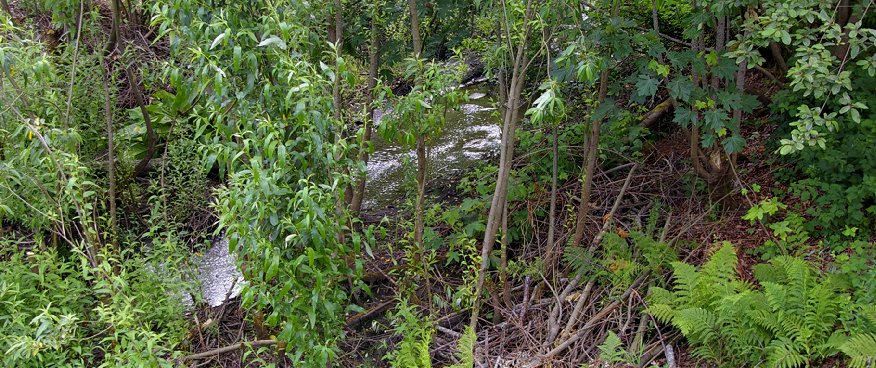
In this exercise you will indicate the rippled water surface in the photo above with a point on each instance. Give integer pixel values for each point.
(218, 274)
(470, 133)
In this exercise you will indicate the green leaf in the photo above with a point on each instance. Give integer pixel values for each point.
(733, 144)
(684, 116)
(681, 88)
(714, 119)
(273, 40)
(646, 86)
(217, 40)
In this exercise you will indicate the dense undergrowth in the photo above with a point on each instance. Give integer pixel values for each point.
(639, 139)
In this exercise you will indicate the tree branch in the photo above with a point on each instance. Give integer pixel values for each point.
(151, 137)
(230, 348)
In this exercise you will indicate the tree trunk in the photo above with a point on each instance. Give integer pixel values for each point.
(415, 28)
(590, 165)
(506, 153)
(552, 251)
(592, 148)
(776, 51)
(421, 189)
(340, 201)
(151, 137)
(373, 60)
(111, 158)
(115, 34)
(503, 266)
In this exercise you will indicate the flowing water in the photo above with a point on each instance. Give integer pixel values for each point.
(217, 271)
(468, 136)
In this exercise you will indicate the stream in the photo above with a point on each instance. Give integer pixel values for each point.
(470, 135)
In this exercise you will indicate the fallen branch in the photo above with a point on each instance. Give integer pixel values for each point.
(617, 201)
(656, 113)
(372, 313)
(538, 361)
(230, 348)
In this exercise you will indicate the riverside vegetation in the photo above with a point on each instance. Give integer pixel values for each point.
(677, 183)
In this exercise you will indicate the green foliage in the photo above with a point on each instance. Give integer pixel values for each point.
(855, 266)
(423, 111)
(789, 232)
(797, 317)
(416, 333)
(58, 311)
(819, 75)
(465, 349)
(43, 181)
(839, 190)
(611, 351)
(861, 349)
(273, 132)
(625, 257)
(183, 185)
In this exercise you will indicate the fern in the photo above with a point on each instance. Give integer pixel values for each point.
(413, 350)
(868, 311)
(785, 353)
(465, 349)
(611, 350)
(579, 258)
(721, 266)
(861, 349)
(797, 317)
(696, 322)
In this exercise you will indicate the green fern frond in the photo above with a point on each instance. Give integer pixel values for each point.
(659, 295)
(662, 312)
(869, 312)
(613, 246)
(579, 258)
(707, 353)
(861, 350)
(768, 272)
(686, 281)
(785, 353)
(465, 349)
(695, 321)
(800, 280)
(767, 320)
(657, 255)
(416, 333)
(795, 317)
(776, 295)
(721, 267)
(611, 350)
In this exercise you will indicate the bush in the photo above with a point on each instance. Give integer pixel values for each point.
(58, 311)
(795, 317)
(842, 180)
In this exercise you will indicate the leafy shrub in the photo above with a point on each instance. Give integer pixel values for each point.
(272, 131)
(842, 180)
(790, 231)
(57, 311)
(857, 268)
(413, 350)
(798, 317)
